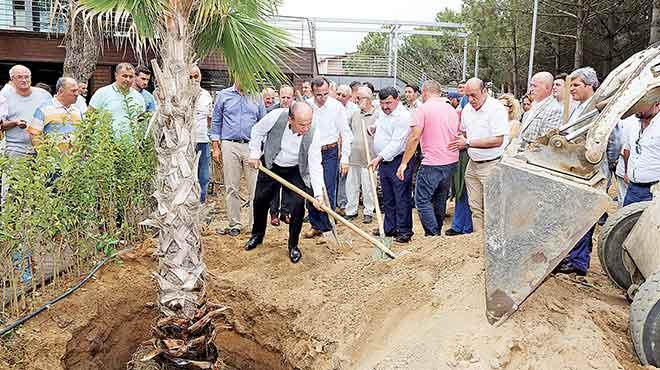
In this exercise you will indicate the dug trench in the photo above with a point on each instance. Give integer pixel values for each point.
(340, 309)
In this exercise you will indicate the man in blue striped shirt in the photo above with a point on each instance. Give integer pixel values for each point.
(234, 115)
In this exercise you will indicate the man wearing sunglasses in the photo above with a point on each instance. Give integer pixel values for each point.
(641, 150)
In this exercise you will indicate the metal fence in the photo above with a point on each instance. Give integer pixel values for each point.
(35, 16)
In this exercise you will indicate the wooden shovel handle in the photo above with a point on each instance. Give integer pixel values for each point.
(328, 210)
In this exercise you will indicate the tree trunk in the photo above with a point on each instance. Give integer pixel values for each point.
(181, 271)
(514, 80)
(579, 31)
(83, 46)
(655, 23)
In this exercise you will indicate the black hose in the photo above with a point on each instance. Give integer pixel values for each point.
(41, 309)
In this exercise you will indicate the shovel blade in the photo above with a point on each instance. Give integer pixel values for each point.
(533, 219)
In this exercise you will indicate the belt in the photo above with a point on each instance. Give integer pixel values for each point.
(329, 146)
(488, 160)
(644, 184)
(393, 159)
(240, 141)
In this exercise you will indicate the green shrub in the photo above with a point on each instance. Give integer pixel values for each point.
(102, 192)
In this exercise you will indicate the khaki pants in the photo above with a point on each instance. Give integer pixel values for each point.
(476, 176)
(234, 159)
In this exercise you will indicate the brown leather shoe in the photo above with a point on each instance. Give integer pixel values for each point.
(312, 233)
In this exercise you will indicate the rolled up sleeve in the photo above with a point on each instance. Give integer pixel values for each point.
(216, 119)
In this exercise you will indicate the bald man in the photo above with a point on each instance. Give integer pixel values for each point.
(203, 115)
(545, 113)
(485, 124)
(285, 142)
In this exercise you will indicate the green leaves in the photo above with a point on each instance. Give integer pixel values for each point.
(250, 47)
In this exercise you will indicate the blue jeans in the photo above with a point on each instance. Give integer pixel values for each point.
(330, 162)
(431, 193)
(580, 255)
(637, 193)
(462, 221)
(397, 197)
(203, 169)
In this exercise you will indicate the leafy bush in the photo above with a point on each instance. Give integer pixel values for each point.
(65, 209)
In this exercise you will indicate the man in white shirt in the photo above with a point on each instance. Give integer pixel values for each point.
(345, 96)
(203, 114)
(391, 133)
(331, 124)
(292, 150)
(485, 124)
(641, 153)
(584, 82)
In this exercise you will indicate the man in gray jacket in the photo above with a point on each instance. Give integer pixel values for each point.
(292, 150)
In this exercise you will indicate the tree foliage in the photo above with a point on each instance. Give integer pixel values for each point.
(570, 34)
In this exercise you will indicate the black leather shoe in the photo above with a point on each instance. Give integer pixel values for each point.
(294, 254)
(568, 268)
(402, 239)
(351, 217)
(452, 232)
(254, 241)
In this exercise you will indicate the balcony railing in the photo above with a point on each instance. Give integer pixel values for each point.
(34, 16)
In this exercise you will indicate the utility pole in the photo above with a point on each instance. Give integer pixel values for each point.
(465, 55)
(476, 60)
(533, 43)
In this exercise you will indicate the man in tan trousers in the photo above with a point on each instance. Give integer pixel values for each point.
(234, 115)
(484, 126)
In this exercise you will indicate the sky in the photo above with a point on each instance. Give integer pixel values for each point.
(342, 42)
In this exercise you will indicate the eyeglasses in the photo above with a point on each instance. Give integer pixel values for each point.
(25, 78)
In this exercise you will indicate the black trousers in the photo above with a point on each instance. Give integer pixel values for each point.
(279, 206)
(265, 191)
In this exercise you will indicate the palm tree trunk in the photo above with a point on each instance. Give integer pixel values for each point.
(186, 332)
(83, 46)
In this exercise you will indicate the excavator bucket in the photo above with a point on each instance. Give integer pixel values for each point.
(532, 221)
(539, 203)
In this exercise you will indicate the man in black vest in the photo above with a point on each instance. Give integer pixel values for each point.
(292, 150)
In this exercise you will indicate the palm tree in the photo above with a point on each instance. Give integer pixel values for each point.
(181, 31)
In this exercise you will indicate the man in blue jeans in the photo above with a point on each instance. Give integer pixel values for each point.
(390, 133)
(330, 122)
(203, 114)
(641, 153)
(434, 125)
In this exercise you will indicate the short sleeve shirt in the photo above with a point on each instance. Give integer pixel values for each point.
(111, 99)
(439, 124)
(489, 121)
(53, 118)
(18, 140)
(203, 111)
(644, 147)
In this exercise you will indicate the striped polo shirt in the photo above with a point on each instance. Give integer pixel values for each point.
(54, 118)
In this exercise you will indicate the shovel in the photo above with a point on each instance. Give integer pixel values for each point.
(333, 227)
(374, 193)
(377, 243)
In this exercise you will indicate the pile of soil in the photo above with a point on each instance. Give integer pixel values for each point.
(341, 309)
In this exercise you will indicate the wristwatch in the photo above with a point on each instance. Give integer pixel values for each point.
(467, 143)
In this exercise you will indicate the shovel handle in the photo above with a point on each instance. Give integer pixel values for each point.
(327, 210)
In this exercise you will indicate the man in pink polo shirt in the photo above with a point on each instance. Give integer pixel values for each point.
(435, 125)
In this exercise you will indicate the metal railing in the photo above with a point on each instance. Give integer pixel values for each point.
(34, 16)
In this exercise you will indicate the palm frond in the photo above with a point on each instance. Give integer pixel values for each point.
(137, 17)
(251, 48)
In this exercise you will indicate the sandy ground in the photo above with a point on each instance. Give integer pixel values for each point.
(339, 308)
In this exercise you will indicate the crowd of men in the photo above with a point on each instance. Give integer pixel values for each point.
(341, 143)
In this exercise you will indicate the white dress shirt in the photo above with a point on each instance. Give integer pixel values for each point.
(350, 108)
(629, 127)
(392, 133)
(203, 111)
(290, 148)
(330, 122)
(81, 104)
(489, 121)
(644, 164)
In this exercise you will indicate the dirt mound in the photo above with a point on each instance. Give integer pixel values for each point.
(341, 309)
